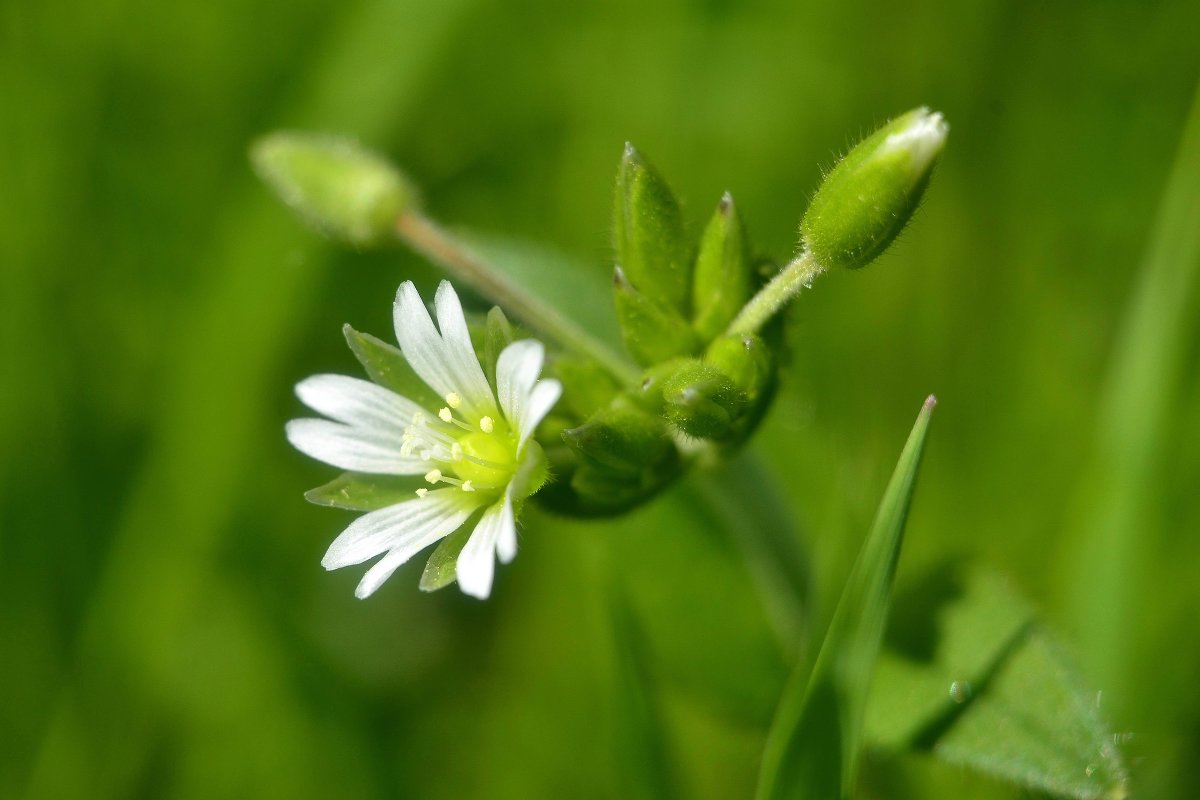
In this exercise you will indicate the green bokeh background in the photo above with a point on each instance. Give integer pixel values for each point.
(165, 627)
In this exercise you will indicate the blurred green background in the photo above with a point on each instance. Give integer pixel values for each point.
(165, 627)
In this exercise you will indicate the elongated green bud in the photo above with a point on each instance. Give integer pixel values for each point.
(648, 233)
(653, 331)
(340, 188)
(868, 198)
(702, 401)
(724, 274)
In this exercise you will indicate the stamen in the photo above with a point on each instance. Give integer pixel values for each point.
(446, 415)
(418, 419)
(456, 452)
(453, 400)
(468, 486)
(433, 476)
(487, 425)
(422, 492)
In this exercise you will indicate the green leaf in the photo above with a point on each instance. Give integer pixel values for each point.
(724, 278)
(648, 233)
(386, 365)
(357, 491)
(653, 331)
(812, 748)
(440, 569)
(997, 695)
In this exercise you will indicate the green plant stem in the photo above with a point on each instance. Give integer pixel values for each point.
(428, 238)
(797, 275)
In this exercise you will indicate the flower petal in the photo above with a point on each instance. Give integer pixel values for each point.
(444, 361)
(352, 448)
(506, 543)
(477, 561)
(398, 526)
(357, 402)
(517, 371)
(419, 339)
(461, 359)
(541, 400)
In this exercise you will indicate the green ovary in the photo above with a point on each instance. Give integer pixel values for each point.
(497, 449)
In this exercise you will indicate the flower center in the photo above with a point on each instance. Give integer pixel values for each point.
(488, 459)
(478, 457)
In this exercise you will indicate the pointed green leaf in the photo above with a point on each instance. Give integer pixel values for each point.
(648, 233)
(813, 744)
(440, 569)
(724, 276)
(360, 492)
(997, 695)
(386, 365)
(653, 331)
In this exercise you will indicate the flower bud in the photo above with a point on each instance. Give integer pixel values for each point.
(652, 331)
(868, 198)
(343, 190)
(648, 233)
(746, 361)
(724, 276)
(702, 401)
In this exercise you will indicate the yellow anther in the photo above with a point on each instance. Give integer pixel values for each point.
(456, 452)
(453, 400)
(446, 415)
(433, 476)
(487, 425)
(468, 486)
(422, 492)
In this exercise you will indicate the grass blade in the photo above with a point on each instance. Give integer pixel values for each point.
(813, 744)
(1108, 552)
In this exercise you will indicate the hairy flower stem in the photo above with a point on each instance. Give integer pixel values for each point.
(797, 275)
(426, 237)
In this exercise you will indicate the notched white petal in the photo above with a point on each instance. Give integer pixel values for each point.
(446, 360)
(506, 542)
(517, 370)
(462, 361)
(352, 448)
(477, 562)
(541, 400)
(356, 402)
(389, 528)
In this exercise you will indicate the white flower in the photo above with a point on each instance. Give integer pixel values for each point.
(471, 451)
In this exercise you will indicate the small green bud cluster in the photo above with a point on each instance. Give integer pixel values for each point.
(700, 321)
